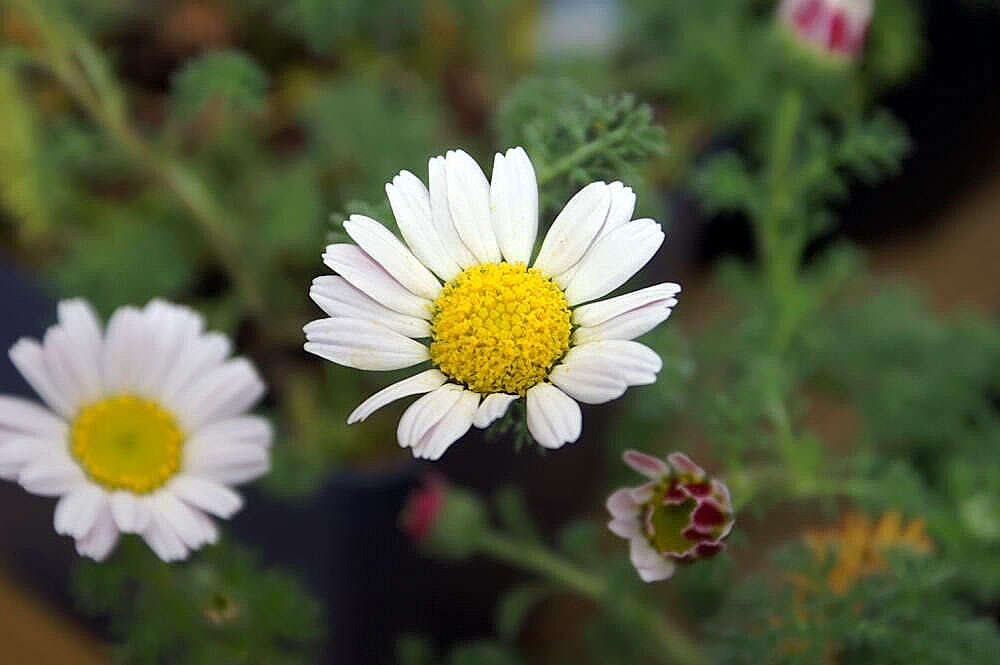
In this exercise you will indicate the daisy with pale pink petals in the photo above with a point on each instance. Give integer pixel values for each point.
(679, 515)
(498, 326)
(143, 427)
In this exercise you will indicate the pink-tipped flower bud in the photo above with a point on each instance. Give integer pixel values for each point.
(679, 516)
(422, 508)
(835, 28)
(446, 520)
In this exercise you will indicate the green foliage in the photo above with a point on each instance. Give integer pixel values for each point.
(22, 189)
(901, 615)
(324, 26)
(138, 260)
(515, 607)
(416, 650)
(229, 80)
(221, 607)
(372, 128)
(575, 138)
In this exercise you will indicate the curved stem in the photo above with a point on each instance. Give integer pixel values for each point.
(71, 66)
(578, 156)
(674, 645)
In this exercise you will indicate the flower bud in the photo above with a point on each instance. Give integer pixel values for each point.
(835, 28)
(679, 516)
(444, 519)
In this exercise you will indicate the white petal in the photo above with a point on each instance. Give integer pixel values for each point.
(231, 451)
(225, 462)
(621, 209)
(554, 418)
(414, 385)
(21, 415)
(621, 505)
(251, 430)
(619, 213)
(602, 371)
(574, 229)
(630, 325)
(362, 345)
(642, 554)
(625, 528)
(130, 512)
(19, 450)
(379, 243)
(338, 298)
(77, 511)
(125, 351)
(78, 381)
(493, 408)
(83, 340)
(441, 214)
(163, 540)
(411, 206)
(661, 570)
(424, 413)
(361, 270)
(210, 496)
(197, 357)
(450, 428)
(190, 525)
(29, 359)
(171, 331)
(78, 318)
(643, 493)
(652, 467)
(599, 312)
(226, 391)
(51, 475)
(469, 202)
(613, 260)
(101, 539)
(514, 205)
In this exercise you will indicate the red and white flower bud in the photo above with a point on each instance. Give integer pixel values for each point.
(444, 519)
(422, 508)
(679, 516)
(833, 27)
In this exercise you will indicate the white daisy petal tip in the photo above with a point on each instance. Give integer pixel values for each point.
(554, 418)
(154, 376)
(415, 385)
(493, 408)
(574, 229)
(437, 420)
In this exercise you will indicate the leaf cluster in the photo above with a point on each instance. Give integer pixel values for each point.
(220, 607)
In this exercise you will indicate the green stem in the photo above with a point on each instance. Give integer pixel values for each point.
(578, 156)
(674, 645)
(780, 242)
(168, 171)
(777, 479)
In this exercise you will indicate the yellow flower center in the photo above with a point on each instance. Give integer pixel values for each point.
(499, 327)
(127, 443)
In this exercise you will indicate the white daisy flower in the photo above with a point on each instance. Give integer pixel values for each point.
(497, 329)
(145, 427)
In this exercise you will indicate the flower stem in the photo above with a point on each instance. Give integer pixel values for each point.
(578, 156)
(70, 58)
(674, 646)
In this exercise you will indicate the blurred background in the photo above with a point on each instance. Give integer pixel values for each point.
(205, 151)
